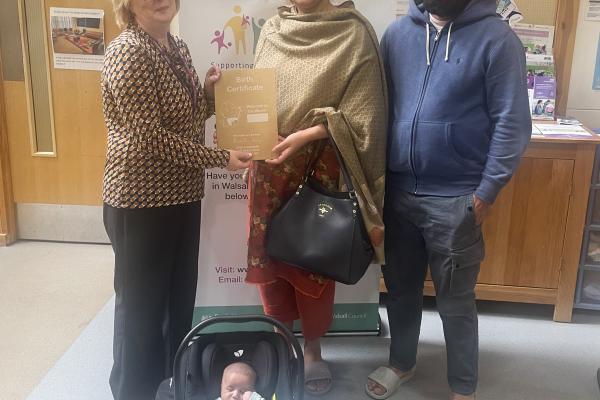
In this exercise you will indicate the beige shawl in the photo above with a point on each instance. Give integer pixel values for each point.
(330, 71)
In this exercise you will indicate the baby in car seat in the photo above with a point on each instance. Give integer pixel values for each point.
(238, 383)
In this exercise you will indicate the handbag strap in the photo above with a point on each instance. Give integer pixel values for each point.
(313, 163)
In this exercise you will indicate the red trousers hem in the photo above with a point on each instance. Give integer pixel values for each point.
(282, 301)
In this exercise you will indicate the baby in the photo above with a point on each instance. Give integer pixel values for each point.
(238, 383)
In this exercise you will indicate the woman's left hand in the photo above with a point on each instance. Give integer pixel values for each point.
(212, 76)
(290, 145)
(287, 147)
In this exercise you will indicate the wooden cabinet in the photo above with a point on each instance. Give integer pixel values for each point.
(527, 227)
(533, 236)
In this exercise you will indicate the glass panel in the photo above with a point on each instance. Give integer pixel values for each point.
(12, 58)
(596, 178)
(38, 70)
(596, 207)
(590, 288)
(593, 253)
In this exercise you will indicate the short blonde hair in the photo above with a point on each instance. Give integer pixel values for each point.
(123, 13)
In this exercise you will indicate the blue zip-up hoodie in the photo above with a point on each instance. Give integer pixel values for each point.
(459, 107)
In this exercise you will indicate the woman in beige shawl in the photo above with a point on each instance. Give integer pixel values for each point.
(331, 85)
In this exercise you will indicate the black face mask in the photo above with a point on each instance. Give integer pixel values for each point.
(445, 8)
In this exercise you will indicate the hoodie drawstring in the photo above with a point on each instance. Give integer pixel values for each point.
(448, 42)
(427, 45)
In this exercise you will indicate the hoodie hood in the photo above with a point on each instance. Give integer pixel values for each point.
(475, 11)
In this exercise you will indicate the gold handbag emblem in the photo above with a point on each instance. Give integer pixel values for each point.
(324, 209)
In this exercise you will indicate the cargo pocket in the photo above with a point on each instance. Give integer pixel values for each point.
(465, 268)
(470, 209)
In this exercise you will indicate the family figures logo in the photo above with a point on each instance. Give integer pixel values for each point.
(236, 32)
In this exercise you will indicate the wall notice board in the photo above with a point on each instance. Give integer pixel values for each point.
(562, 14)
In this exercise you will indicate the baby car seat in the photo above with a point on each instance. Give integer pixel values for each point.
(201, 359)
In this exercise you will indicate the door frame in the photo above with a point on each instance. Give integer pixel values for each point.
(8, 223)
(565, 32)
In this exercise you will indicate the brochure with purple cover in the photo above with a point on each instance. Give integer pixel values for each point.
(541, 82)
(544, 87)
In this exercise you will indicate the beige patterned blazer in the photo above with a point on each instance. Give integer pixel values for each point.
(156, 154)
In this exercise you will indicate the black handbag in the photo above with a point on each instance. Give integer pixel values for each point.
(321, 231)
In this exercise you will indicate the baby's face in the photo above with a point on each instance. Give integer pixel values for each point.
(234, 386)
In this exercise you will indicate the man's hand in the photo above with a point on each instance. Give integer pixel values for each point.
(481, 209)
(212, 76)
(238, 160)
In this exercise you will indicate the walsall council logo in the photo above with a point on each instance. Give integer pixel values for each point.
(238, 33)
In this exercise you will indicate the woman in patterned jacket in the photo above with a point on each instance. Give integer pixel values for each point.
(155, 110)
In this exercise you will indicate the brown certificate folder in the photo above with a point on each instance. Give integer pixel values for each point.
(246, 108)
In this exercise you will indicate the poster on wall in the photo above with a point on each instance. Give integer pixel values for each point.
(77, 38)
(593, 11)
(226, 33)
(596, 83)
(536, 39)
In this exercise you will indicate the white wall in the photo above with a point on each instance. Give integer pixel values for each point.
(175, 25)
(584, 103)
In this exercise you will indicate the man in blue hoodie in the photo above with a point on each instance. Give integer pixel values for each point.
(459, 124)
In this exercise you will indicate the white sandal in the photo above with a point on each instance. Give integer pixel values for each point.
(388, 379)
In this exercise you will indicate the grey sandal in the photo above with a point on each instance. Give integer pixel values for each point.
(317, 371)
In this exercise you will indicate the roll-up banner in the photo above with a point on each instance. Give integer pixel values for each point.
(226, 32)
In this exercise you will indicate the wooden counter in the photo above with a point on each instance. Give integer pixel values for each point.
(533, 236)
